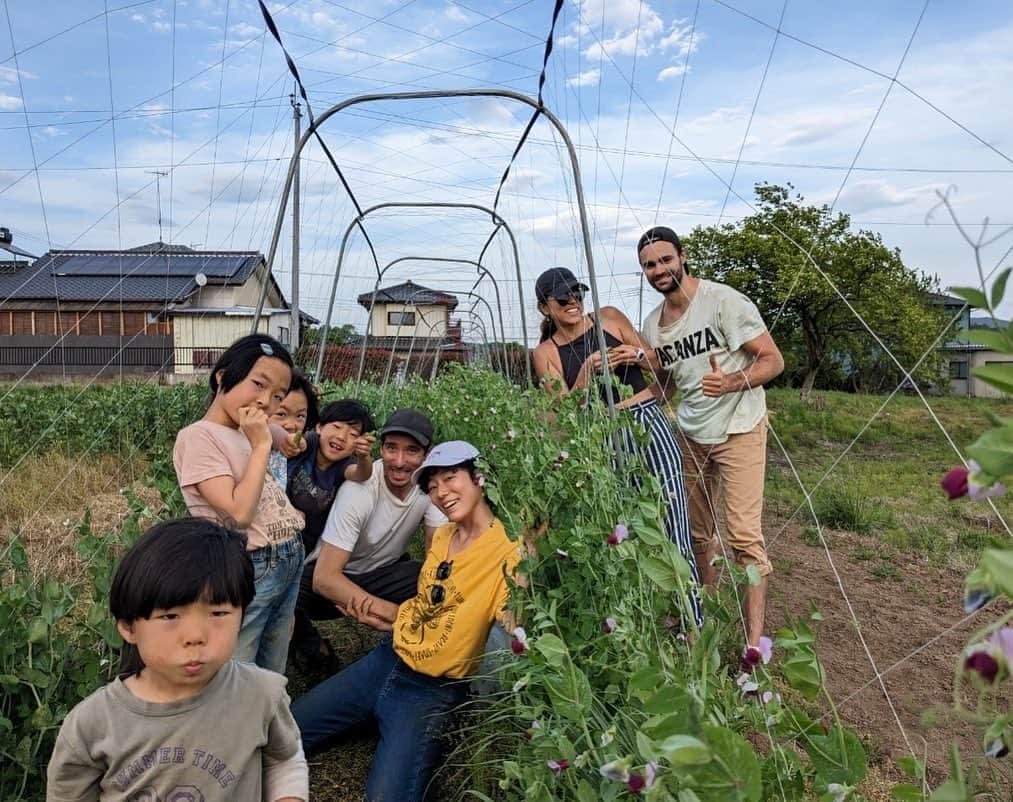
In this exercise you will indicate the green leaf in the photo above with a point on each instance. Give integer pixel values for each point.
(907, 792)
(950, 791)
(552, 648)
(993, 451)
(999, 287)
(837, 757)
(911, 766)
(659, 572)
(9, 680)
(734, 773)
(37, 630)
(585, 793)
(972, 295)
(990, 338)
(802, 670)
(999, 376)
(685, 750)
(645, 746)
(753, 575)
(996, 566)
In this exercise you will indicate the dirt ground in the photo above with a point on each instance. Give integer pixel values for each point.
(913, 626)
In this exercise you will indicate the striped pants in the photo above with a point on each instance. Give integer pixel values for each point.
(664, 459)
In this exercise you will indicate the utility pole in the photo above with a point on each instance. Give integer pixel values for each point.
(294, 326)
(159, 175)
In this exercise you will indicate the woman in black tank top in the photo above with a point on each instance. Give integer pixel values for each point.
(568, 359)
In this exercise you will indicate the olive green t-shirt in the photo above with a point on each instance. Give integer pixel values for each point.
(114, 747)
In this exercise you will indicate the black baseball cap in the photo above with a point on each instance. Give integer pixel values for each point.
(659, 234)
(558, 283)
(410, 422)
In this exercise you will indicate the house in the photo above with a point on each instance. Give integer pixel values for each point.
(409, 317)
(158, 308)
(962, 356)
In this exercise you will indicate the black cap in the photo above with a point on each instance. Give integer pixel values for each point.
(558, 283)
(410, 422)
(659, 234)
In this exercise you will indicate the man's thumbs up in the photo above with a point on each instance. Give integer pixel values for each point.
(713, 384)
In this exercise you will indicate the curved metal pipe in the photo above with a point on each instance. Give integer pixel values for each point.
(436, 94)
(376, 289)
(500, 223)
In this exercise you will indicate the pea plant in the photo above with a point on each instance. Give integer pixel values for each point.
(609, 691)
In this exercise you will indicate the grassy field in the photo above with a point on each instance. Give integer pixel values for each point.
(855, 476)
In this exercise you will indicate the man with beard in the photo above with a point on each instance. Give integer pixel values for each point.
(362, 568)
(711, 345)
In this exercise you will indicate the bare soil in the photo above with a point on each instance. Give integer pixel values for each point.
(896, 687)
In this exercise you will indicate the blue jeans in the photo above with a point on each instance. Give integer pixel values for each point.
(413, 712)
(267, 624)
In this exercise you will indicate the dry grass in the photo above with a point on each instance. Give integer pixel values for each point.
(46, 497)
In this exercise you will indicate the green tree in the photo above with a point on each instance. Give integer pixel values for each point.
(338, 335)
(769, 256)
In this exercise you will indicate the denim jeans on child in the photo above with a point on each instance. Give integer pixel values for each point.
(412, 711)
(267, 624)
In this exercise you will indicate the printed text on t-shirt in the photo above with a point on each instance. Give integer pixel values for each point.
(695, 344)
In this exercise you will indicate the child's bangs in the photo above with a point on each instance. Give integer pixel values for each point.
(179, 563)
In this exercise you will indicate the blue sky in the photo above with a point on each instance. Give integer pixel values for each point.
(137, 87)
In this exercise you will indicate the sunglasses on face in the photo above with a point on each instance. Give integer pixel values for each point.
(575, 295)
(437, 593)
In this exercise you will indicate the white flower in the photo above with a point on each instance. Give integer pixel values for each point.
(746, 683)
(839, 792)
(616, 770)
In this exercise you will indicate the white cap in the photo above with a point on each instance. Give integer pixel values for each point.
(447, 455)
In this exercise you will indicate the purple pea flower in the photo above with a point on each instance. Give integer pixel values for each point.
(983, 663)
(619, 534)
(955, 482)
(609, 626)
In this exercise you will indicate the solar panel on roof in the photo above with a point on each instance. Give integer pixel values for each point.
(149, 264)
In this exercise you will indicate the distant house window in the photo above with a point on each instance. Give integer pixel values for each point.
(45, 324)
(400, 318)
(958, 369)
(21, 323)
(87, 324)
(283, 335)
(110, 323)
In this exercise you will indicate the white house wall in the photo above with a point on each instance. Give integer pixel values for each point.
(430, 320)
(980, 389)
(214, 331)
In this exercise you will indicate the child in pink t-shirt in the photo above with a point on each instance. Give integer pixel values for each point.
(221, 463)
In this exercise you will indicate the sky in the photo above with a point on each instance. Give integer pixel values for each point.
(126, 121)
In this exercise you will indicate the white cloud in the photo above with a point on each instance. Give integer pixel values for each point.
(52, 131)
(246, 31)
(586, 78)
(9, 75)
(454, 13)
(671, 72)
(9, 102)
(878, 193)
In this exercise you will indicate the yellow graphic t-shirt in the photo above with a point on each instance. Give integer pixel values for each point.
(447, 638)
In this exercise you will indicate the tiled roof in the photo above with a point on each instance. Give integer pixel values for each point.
(161, 278)
(408, 293)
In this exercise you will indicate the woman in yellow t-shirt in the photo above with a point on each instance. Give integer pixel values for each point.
(415, 677)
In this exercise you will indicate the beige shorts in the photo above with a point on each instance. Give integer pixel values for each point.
(737, 467)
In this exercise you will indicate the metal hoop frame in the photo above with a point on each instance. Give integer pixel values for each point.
(449, 93)
(389, 265)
